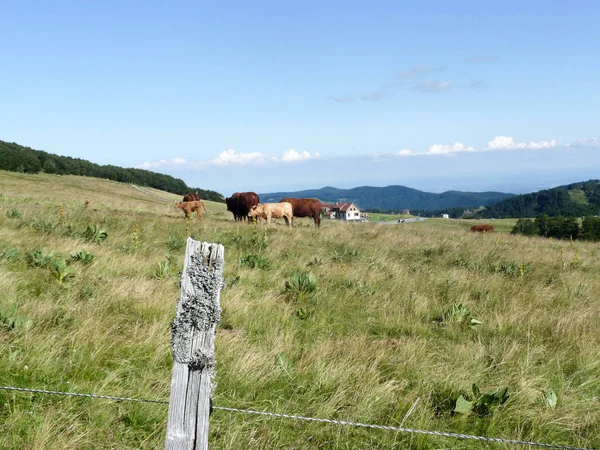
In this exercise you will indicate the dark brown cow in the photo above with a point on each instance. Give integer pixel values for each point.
(305, 207)
(191, 197)
(482, 228)
(240, 204)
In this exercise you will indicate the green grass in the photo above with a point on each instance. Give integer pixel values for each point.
(578, 196)
(349, 321)
(379, 217)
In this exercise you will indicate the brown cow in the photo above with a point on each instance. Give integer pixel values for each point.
(190, 207)
(240, 204)
(191, 197)
(273, 210)
(306, 207)
(482, 228)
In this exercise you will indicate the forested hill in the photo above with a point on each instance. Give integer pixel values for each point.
(576, 199)
(394, 198)
(16, 158)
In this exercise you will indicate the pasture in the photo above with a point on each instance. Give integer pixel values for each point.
(350, 321)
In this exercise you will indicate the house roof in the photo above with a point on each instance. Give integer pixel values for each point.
(344, 206)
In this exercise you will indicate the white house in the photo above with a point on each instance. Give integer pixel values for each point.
(445, 216)
(346, 211)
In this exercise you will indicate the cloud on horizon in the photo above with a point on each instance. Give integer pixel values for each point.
(163, 162)
(433, 86)
(418, 71)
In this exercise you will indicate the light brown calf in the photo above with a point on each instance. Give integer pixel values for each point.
(190, 207)
(275, 210)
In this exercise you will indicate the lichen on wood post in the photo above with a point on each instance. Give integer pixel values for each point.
(193, 331)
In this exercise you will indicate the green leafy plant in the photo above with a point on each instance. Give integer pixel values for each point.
(39, 258)
(10, 254)
(94, 234)
(345, 255)
(480, 404)
(549, 398)
(9, 319)
(458, 313)
(82, 256)
(299, 285)
(254, 261)
(175, 243)
(61, 270)
(161, 270)
(43, 225)
(13, 214)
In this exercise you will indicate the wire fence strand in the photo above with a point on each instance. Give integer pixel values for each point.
(312, 419)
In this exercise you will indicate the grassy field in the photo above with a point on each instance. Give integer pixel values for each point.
(351, 321)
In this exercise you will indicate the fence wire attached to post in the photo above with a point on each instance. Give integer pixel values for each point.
(314, 419)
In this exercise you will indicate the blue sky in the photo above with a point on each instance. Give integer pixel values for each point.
(271, 96)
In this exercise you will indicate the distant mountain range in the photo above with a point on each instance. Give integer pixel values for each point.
(394, 198)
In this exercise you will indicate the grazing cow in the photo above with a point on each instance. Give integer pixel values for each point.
(275, 210)
(191, 197)
(482, 228)
(190, 207)
(306, 207)
(240, 204)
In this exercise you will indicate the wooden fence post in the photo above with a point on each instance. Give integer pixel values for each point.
(198, 312)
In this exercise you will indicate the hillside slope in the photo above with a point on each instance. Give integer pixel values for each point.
(575, 199)
(394, 198)
(16, 158)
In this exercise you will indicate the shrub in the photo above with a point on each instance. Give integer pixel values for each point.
(480, 404)
(95, 234)
(39, 258)
(61, 270)
(300, 284)
(82, 256)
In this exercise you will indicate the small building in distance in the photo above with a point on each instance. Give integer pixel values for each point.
(342, 211)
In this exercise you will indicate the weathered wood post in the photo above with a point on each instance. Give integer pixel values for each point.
(198, 312)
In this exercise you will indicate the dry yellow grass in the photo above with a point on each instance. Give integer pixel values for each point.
(361, 338)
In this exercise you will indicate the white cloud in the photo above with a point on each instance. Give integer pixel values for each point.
(230, 156)
(163, 162)
(588, 142)
(418, 71)
(404, 152)
(373, 96)
(440, 149)
(293, 155)
(507, 142)
(433, 86)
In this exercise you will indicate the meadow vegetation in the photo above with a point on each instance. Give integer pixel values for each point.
(495, 334)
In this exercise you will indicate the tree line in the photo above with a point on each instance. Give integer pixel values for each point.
(560, 227)
(16, 158)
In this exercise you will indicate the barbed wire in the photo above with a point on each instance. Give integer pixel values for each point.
(74, 394)
(311, 419)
